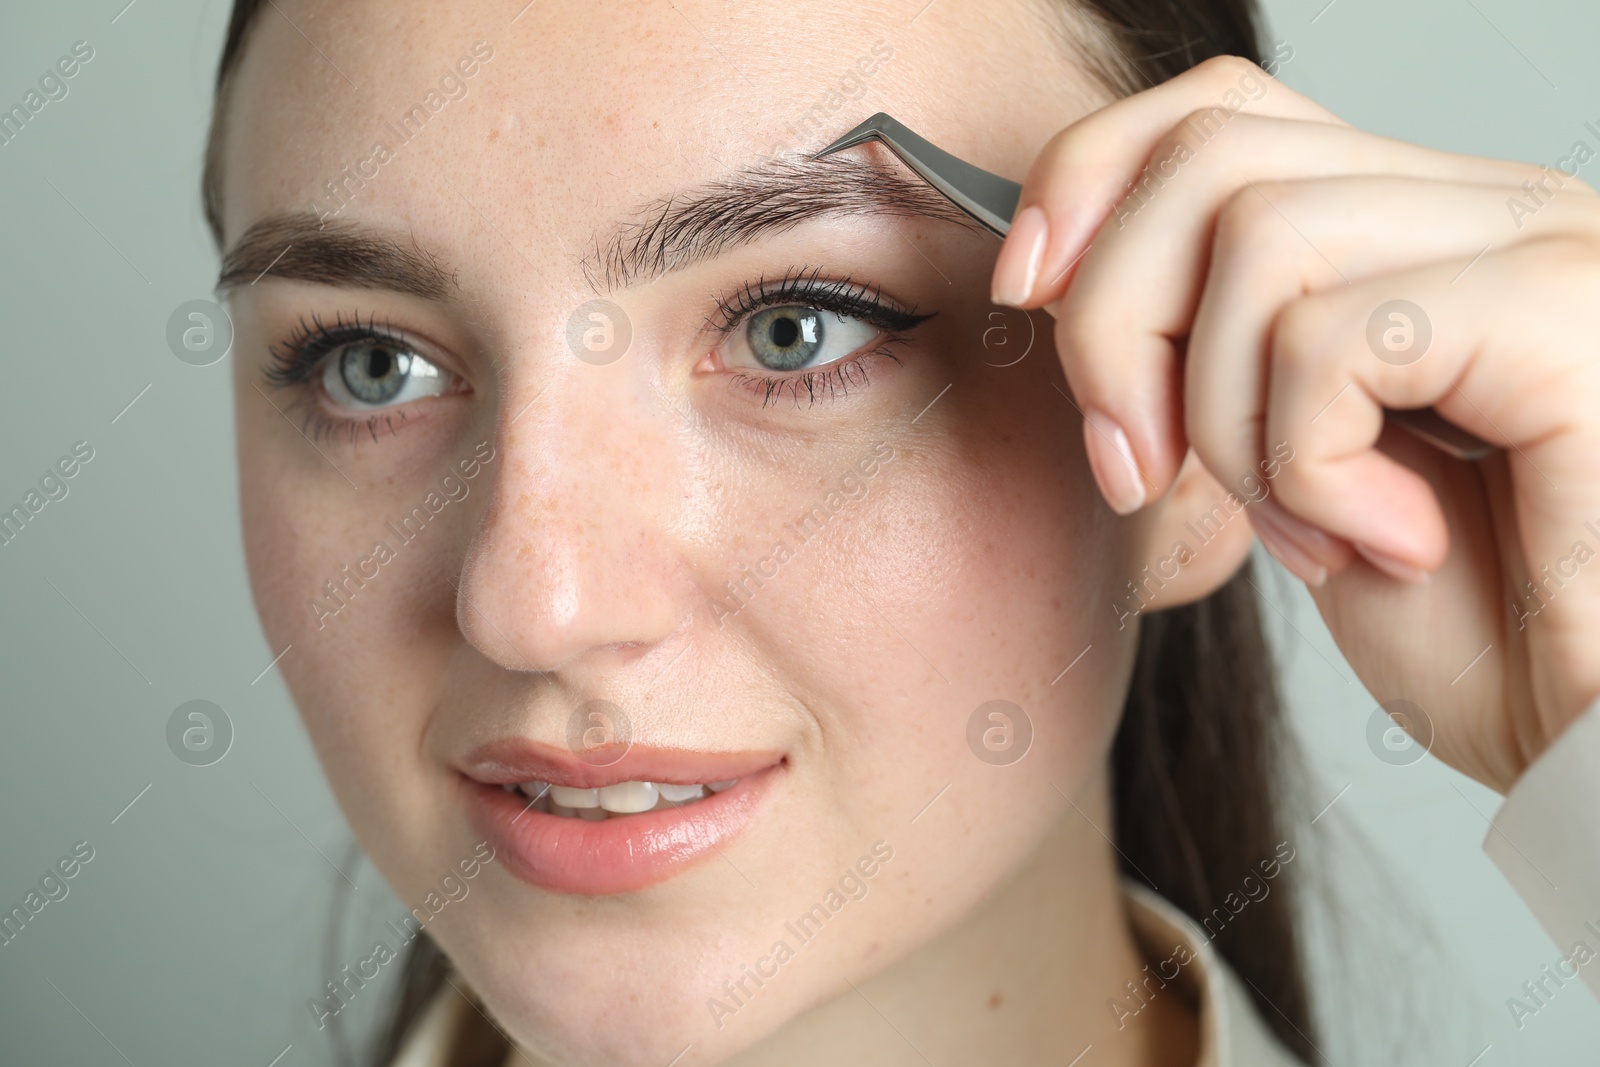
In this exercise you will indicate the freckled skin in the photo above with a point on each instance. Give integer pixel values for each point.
(585, 558)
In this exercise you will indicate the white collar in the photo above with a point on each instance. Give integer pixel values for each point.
(1231, 1033)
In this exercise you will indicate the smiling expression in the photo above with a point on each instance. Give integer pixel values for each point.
(792, 534)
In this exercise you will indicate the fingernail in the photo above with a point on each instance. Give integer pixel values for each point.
(1281, 544)
(1017, 269)
(1393, 566)
(1112, 460)
(1321, 546)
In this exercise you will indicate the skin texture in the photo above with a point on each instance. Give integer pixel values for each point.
(584, 560)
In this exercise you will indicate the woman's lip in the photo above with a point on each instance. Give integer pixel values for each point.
(514, 759)
(614, 855)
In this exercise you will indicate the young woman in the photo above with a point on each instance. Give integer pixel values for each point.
(739, 640)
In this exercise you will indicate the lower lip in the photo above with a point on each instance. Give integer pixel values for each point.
(616, 855)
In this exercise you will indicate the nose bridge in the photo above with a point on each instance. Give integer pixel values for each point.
(575, 550)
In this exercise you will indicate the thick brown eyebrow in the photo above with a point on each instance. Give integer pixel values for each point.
(673, 232)
(338, 253)
(666, 234)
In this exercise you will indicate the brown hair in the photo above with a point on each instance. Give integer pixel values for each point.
(1200, 759)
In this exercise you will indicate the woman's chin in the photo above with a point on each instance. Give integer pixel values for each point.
(608, 1018)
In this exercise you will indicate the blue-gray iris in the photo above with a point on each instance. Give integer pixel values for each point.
(785, 338)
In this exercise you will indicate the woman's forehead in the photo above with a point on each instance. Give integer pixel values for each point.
(577, 112)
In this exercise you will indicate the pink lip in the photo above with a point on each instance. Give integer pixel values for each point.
(618, 855)
(515, 759)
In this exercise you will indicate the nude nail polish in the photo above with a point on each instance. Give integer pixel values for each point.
(1285, 550)
(1111, 457)
(1016, 272)
(1393, 566)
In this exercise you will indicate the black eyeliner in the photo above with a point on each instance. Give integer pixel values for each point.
(805, 287)
(295, 358)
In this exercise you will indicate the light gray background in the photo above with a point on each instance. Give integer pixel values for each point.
(195, 936)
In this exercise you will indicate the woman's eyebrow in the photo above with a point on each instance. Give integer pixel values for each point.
(307, 248)
(673, 232)
(666, 234)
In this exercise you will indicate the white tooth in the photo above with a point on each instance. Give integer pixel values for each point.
(627, 798)
(575, 798)
(717, 787)
(534, 789)
(565, 813)
(509, 788)
(678, 794)
(593, 814)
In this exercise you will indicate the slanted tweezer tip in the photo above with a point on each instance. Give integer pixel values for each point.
(866, 131)
(987, 198)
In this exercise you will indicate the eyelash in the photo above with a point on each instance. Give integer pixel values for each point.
(806, 287)
(296, 358)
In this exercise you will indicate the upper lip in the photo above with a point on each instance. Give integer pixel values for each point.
(515, 759)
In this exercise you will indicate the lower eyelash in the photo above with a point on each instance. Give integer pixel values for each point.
(318, 425)
(827, 383)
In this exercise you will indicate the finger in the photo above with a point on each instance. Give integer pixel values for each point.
(1109, 162)
(1502, 347)
(1117, 331)
(1277, 241)
(1446, 645)
(1086, 168)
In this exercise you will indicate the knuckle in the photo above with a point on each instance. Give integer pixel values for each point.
(1059, 157)
(1300, 330)
(1297, 488)
(1177, 144)
(1246, 219)
(1077, 328)
(1224, 71)
(1197, 143)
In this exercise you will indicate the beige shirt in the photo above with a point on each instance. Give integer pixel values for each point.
(1545, 839)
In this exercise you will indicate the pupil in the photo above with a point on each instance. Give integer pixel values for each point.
(378, 364)
(785, 332)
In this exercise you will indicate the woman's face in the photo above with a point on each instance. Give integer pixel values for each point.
(825, 504)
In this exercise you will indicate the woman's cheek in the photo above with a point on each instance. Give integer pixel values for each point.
(358, 661)
(947, 579)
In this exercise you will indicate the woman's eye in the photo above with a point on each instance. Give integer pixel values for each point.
(378, 373)
(794, 338)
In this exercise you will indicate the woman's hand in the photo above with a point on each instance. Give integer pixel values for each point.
(1273, 281)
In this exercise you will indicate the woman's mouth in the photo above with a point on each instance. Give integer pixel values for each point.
(567, 826)
(623, 798)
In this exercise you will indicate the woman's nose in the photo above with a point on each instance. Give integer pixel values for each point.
(576, 551)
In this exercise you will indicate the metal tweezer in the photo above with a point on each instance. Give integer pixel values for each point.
(991, 200)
